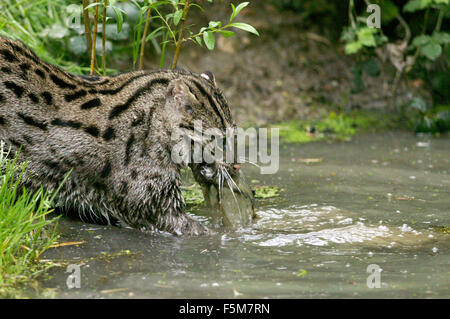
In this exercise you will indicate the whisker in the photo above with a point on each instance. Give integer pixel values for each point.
(220, 182)
(232, 180)
(247, 161)
(235, 199)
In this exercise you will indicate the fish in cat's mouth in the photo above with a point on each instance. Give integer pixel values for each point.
(212, 157)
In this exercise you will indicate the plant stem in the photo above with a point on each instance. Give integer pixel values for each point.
(144, 35)
(351, 5)
(180, 34)
(167, 25)
(439, 21)
(94, 39)
(406, 27)
(425, 21)
(87, 25)
(105, 4)
(163, 50)
(424, 29)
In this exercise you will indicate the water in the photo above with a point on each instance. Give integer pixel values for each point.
(374, 200)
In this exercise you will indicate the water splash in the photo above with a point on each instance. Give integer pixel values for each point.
(316, 225)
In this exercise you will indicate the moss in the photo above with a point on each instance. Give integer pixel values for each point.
(336, 126)
(193, 195)
(267, 191)
(442, 229)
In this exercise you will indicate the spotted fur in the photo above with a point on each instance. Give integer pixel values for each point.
(114, 132)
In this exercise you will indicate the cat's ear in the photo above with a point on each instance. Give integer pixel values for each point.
(208, 76)
(184, 100)
(177, 88)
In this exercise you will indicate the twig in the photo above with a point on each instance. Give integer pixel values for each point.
(105, 4)
(400, 73)
(180, 34)
(71, 243)
(406, 27)
(94, 39)
(144, 35)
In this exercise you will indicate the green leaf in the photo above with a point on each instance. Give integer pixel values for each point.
(92, 5)
(214, 24)
(177, 16)
(365, 37)
(421, 40)
(244, 26)
(209, 39)
(389, 11)
(352, 47)
(154, 33)
(237, 10)
(119, 18)
(431, 50)
(199, 40)
(226, 33)
(441, 37)
(412, 5)
(169, 16)
(302, 273)
(419, 104)
(416, 5)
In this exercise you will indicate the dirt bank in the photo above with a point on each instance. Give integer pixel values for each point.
(291, 71)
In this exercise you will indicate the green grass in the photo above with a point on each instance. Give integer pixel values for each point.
(26, 231)
(54, 30)
(40, 25)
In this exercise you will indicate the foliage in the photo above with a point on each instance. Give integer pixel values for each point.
(25, 231)
(41, 26)
(418, 47)
(416, 55)
(359, 36)
(56, 29)
(427, 119)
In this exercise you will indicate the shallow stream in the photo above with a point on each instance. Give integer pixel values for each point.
(375, 200)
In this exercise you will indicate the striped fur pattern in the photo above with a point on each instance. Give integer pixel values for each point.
(114, 132)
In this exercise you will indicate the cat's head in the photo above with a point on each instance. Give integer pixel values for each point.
(202, 128)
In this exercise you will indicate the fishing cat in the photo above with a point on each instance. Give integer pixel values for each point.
(113, 131)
